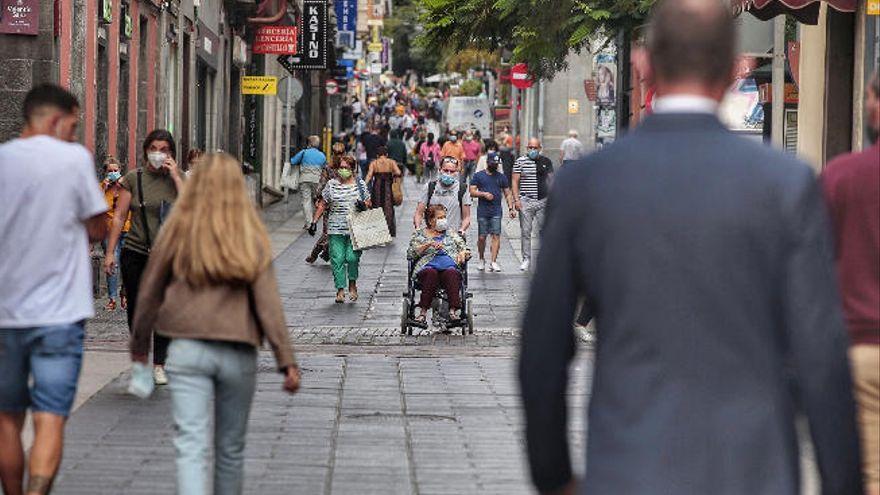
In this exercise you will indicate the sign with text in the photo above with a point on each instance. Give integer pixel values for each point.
(20, 17)
(312, 54)
(259, 85)
(873, 7)
(346, 20)
(277, 40)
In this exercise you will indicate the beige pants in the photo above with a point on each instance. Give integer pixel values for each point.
(865, 361)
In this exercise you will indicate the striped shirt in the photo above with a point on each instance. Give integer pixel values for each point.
(341, 199)
(531, 185)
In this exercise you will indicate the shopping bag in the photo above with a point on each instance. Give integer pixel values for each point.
(369, 229)
(397, 191)
(290, 177)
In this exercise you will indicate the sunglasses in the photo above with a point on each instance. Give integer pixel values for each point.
(454, 161)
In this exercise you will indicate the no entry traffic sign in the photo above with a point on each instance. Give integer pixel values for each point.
(519, 76)
(332, 87)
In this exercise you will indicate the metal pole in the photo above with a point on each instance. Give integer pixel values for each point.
(287, 130)
(514, 116)
(778, 115)
(541, 93)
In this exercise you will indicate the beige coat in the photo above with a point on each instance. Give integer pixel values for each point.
(219, 312)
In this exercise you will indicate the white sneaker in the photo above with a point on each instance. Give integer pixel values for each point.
(482, 265)
(524, 265)
(496, 267)
(159, 376)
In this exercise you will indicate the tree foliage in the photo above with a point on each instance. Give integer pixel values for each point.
(538, 32)
(461, 61)
(403, 27)
(471, 87)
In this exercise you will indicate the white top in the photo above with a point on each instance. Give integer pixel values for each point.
(48, 188)
(685, 104)
(572, 149)
(341, 200)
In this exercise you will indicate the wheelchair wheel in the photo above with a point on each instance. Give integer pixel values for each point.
(470, 318)
(405, 329)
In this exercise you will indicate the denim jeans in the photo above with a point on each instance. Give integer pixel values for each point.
(200, 372)
(113, 279)
(39, 368)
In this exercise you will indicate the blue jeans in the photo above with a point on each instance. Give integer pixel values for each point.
(488, 226)
(51, 356)
(201, 372)
(113, 279)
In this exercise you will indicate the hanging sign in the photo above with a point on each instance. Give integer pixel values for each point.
(278, 40)
(873, 7)
(313, 39)
(20, 17)
(259, 85)
(346, 21)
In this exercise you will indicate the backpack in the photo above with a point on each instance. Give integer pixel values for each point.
(462, 190)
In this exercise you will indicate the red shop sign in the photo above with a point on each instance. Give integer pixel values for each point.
(277, 40)
(20, 17)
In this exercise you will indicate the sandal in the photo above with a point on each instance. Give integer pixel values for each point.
(352, 292)
(111, 305)
(340, 296)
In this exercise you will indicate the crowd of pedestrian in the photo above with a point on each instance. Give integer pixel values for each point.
(733, 291)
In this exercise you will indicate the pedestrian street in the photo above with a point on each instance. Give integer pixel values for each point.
(377, 413)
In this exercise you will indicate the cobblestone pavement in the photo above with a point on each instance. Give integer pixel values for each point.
(378, 413)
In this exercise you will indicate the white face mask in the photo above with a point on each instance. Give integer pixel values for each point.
(156, 159)
(441, 224)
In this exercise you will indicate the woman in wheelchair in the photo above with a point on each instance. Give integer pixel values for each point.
(438, 256)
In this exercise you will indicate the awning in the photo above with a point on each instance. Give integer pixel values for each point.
(805, 11)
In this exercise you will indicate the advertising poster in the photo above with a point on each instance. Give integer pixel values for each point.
(20, 17)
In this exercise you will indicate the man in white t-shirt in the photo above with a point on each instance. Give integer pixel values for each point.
(52, 209)
(571, 148)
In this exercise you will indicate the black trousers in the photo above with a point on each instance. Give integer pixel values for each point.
(132, 264)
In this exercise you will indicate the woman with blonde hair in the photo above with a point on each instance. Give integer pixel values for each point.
(209, 286)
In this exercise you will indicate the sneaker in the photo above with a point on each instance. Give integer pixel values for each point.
(482, 265)
(496, 267)
(525, 265)
(159, 376)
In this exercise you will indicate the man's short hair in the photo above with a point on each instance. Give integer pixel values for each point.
(692, 40)
(48, 96)
(314, 141)
(572, 133)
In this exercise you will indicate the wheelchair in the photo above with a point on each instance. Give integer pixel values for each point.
(439, 307)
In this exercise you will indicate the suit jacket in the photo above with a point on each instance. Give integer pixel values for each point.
(708, 262)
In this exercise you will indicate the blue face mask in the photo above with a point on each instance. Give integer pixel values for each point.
(534, 154)
(114, 176)
(447, 180)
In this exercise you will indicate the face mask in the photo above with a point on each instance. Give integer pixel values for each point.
(156, 159)
(441, 224)
(453, 138)
(344, 173)
(534, 154)
(447, 180)
(114, 176)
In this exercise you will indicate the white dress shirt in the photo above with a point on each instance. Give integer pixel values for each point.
(684, 103)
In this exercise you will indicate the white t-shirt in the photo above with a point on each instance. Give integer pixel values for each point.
(572, 149)
(48, 189)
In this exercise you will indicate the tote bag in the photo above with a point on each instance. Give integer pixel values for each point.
(368, 228)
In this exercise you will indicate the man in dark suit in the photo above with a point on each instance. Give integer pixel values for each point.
(707, 260)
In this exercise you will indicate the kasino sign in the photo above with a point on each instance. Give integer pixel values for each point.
(278, 40)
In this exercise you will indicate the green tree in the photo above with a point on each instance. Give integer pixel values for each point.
(403, 27)
(538, 32)
(471, 87)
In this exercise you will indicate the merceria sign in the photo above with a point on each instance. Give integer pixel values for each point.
(279, 40)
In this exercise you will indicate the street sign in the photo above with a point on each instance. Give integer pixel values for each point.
(374, 47)
(332, 87)
(873, 7)
(278, 40)
(296, 89)
(519, 76)
(259, 85)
